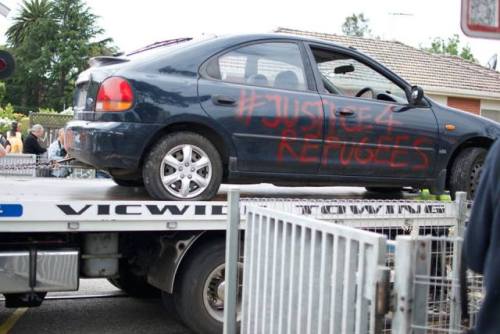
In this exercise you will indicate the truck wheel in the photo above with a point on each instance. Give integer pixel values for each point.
(128, 183)
(134, 285)
(199, 297)
(183, 166)
(466, 170)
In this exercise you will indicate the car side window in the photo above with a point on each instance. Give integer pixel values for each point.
(272, 64)
(344, 75)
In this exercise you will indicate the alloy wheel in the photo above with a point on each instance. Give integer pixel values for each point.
(186, 171)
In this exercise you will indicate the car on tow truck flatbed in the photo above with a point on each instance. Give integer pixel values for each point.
(183, 117)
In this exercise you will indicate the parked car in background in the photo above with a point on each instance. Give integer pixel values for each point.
(181, 117)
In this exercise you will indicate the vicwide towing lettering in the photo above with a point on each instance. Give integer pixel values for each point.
(142, 209)
(201, 210)
(367, 209)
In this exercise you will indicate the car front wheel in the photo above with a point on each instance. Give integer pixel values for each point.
(183, 166)
(466, 170)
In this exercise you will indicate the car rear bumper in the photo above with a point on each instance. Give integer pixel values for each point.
(109, 145)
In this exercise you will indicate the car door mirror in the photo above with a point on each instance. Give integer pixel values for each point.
(415, 95)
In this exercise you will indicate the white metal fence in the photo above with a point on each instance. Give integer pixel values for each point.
(304, 275)
(427, 286)
(307, 276)
(18, 165)
(31, 165)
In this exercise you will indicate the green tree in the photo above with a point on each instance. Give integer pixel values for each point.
(27, 37)
(356, 25)
(52, 41)
(31, 14)
(2, 91)
(451, 46)
(77, 28)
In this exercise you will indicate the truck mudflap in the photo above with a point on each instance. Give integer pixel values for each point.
(38, 271)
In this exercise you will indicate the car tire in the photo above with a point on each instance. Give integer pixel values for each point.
(191, 294)
(134, 285)
(183, 166)
(466, 171)
(128, 183)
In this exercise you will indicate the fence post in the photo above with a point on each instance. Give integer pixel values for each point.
(455, 302)
(231, 273)
(421, 281)
(461, 207)
(403, 284)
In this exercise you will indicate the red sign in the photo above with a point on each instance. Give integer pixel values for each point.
(481, 18)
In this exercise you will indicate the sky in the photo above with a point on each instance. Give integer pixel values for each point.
(133, 24)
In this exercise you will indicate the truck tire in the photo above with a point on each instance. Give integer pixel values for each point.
(128, 183)
(466, 170)
(134, 285)
(183, 166)
(198, 295)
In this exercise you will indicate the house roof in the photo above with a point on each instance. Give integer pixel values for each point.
(438, 74)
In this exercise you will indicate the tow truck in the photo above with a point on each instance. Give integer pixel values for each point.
(55, 232)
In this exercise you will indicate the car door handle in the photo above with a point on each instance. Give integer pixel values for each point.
(224, 101)
(345, 112)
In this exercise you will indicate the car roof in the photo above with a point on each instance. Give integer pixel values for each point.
(243, 38)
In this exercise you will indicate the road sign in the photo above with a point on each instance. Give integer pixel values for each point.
(481, 18)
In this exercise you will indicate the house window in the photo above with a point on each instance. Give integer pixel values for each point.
(470, 105)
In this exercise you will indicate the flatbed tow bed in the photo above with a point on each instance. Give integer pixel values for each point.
(52, 205)
(54, 232)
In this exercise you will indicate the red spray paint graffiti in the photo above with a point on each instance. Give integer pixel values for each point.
(368, 137)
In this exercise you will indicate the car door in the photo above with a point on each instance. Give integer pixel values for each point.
(260, 93)
(371, 130)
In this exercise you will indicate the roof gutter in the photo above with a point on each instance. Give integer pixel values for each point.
(468, 93)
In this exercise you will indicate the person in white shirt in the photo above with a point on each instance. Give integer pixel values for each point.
(57, 152)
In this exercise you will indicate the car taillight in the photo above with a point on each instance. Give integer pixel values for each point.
(115, 94)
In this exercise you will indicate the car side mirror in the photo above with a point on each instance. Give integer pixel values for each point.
(415, 95)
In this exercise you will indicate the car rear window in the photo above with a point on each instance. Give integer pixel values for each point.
(270, 64)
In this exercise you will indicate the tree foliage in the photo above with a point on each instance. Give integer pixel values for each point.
(356, 25)
(451, 46)
(52, 41)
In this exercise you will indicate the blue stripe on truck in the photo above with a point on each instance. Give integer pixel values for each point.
(11, 210)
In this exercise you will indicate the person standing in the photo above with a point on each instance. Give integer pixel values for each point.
(31, 144)
(482, 241)
(3, 153)
(15, 138)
